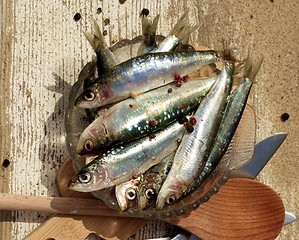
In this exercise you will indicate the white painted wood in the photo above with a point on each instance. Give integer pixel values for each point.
(43, 50)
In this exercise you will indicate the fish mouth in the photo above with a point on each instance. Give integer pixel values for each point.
(74, 185)
(81, 151)
(79, 103)
(71, 184)
(160, 203)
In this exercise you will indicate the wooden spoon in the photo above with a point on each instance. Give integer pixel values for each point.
(243, 209)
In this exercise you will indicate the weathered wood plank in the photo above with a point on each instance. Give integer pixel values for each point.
(7, 33)
(43, 50)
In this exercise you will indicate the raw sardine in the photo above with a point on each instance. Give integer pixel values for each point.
(133, 118)
(126, 193)
(229, 123)
(141, 74)
(126, 162)
(195, 147)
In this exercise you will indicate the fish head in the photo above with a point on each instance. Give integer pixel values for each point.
(170, 194)
(126, 194)
(92, 139)
(93, 96)
(148, 190)
(146, 196)
(92, 177)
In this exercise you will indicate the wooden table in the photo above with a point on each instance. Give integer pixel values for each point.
(43, 50)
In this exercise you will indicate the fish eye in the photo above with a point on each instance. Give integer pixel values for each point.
(88, 145)
(150, 193)
(130, 194)
(84, 177)
(171, 199)
(89, 95)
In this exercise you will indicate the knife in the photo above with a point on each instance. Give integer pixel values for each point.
(263, 151)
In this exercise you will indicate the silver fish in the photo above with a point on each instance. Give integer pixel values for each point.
(229, 123)
(126, 162)
(151, 182)
(126, 193)
(141, 74)
(133, 118)
(195, 147)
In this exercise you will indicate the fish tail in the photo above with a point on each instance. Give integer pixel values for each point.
(251, 69)
(96, 37)
(247, 69)
(227, 52)
(239, 72)
(182, 29)
(148, 26)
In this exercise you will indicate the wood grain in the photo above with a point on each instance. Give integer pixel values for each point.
(243, 208)
(43, 50)
(64, 227)
(7, 33)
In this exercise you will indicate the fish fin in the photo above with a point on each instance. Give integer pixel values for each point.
(247, 69)
(148, 34)
(149, 26)
(227, 53)
(90, 38)
(154, 25)
(145, 24)
(251, 69)
(182, 29)
(239, 72)
(96, 37)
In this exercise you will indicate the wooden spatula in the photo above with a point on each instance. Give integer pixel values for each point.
(243, 209)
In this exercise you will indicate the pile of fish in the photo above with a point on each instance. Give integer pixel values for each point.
(156, 141)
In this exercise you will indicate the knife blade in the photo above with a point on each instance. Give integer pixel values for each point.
(289, 218)
(263, 151)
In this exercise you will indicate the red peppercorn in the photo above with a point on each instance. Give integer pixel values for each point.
(177, 77)
(192, 120)
(182, 106)
(179, 83)
(185, 79)
(153, 123)
(107, 21)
